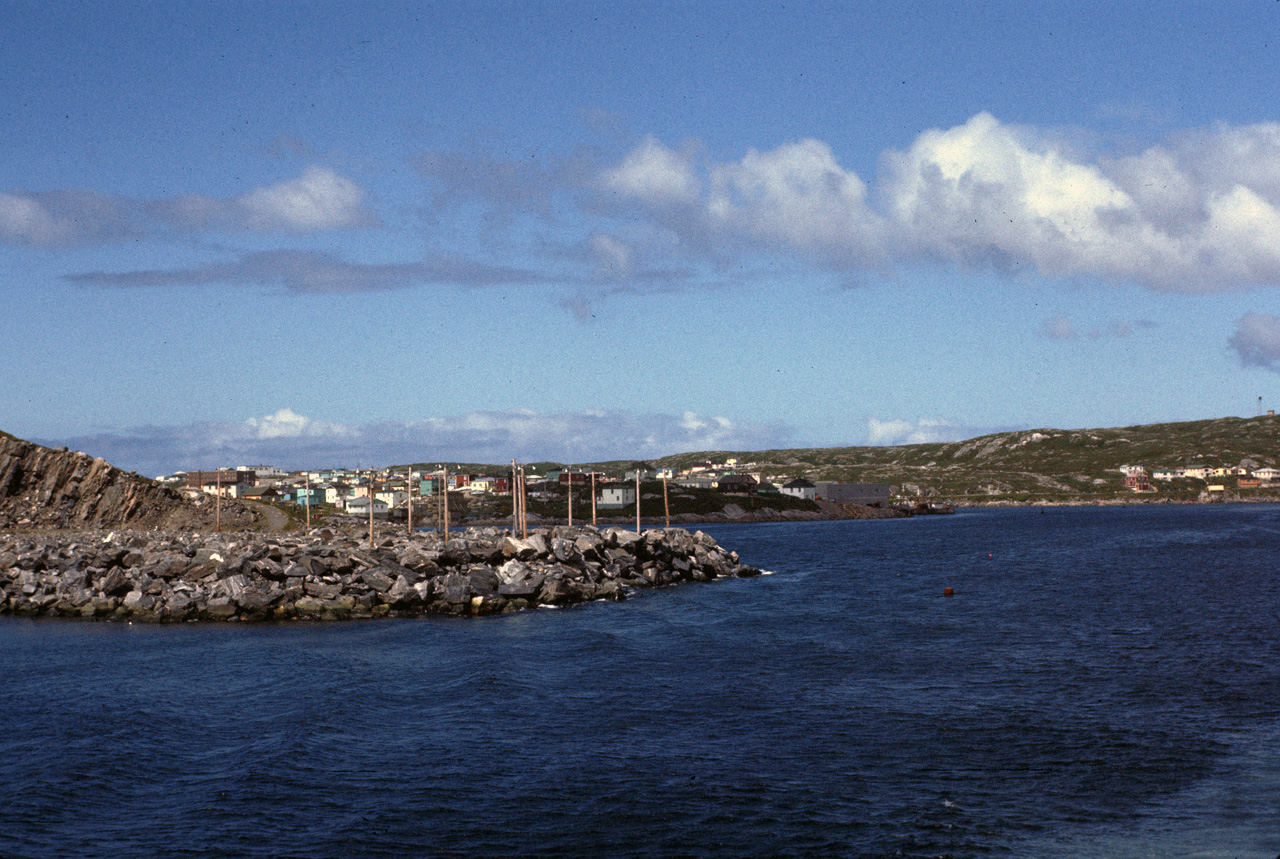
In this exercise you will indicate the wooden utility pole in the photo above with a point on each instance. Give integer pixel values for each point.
(446, 504)
(408, 527)
(637, 499)
(372, 490)
(217, 504)
(666, 505)
(569, 474)
(308, 500)
(593, 499)
(515, 505)
(524, 507)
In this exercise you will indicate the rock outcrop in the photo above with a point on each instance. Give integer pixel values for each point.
(43, 488)
(170, 577)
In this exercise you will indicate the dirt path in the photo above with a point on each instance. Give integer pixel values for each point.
(274, 520)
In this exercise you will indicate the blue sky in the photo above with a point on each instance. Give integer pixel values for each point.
(365, 233)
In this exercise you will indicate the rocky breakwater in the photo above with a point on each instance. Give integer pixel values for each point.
(327, 575)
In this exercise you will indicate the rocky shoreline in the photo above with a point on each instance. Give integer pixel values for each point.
(327, 574)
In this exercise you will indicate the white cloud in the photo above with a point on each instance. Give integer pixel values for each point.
(923, 431)
(795, 199)
(796, 196)
(1256, 341)
(654, 174)
(292, 440)
(24, 221)
(1199, 213)
(286, 423)
(978, 188)
(319, 199)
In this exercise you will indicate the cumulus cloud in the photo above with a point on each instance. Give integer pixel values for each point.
(923, 431)
(795, 198)
(286, 423)
(1256, 341)
(654, 174)
(1199, 213)
(319, 199)
(290, 440)
(316, 272)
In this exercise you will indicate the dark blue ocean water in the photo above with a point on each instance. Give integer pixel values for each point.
(1104, 683)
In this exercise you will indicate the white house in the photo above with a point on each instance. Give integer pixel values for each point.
(393, 498)
(616, 495)
(361, 505)
(229, 490)
(800, 488)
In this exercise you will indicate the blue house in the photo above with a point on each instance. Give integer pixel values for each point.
(308, 497)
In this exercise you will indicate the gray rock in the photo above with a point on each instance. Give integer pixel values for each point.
(378, 579)
(221, 608)
(402, 594)
(116, 584)
(322, 590)
(454, 589)
(483, 581)
(138, 601)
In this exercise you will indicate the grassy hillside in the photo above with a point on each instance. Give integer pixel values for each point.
(1048, 464)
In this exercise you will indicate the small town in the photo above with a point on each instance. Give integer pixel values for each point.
(390, 491)
(1217, 479)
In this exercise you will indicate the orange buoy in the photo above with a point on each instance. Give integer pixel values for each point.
(948, 592)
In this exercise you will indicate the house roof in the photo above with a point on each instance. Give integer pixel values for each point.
(260, 490)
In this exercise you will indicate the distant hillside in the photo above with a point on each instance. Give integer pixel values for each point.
(1042, 464)
(44, 488)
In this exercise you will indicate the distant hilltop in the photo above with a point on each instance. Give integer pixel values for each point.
(1222, 457)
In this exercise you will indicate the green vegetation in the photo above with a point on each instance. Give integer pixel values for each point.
(1029, 465)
